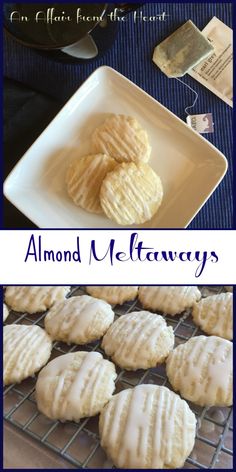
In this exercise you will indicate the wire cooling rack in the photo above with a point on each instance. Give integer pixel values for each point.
(78, 443)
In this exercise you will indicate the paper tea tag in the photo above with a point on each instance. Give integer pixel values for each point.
(201, 123)
(216, 71)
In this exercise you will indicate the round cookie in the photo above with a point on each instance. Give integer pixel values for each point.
(214, 315)
(5, 312)
(79, 320)
(34, 299)
(26, 348)
(122, 138)
(131, 193)
(84, 178)
(75, 386)
(138, 340)
(171, 300)
(147, 427)
(113, 295)
(201, 370)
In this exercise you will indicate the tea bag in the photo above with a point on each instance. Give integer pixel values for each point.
(182, 50)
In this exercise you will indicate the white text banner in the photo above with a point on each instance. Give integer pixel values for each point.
(117, 257)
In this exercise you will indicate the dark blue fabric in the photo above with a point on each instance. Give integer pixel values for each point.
(131, 55)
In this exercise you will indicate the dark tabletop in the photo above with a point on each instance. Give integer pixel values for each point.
(50, 83)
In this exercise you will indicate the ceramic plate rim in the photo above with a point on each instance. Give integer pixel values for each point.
(104, 69)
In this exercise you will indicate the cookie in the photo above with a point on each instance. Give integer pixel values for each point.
(79, 320)
(201, 370)
(34, 299)
(5, 312)
(122, 138)
(147, 427)
(75, 385)
(84, 178)
(214, 315)
(138, 340)
(113, 295)
(170, 300)
(26, 348)
(131, 193)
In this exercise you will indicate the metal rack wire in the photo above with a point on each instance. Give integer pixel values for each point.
(78, 443)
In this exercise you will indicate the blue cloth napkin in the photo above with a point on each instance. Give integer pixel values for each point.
(131, 55)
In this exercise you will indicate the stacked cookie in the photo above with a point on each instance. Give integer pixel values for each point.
(116, 179)
(148, 426)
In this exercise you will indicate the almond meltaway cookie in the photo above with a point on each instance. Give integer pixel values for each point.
(79, 319)
(131, 193)
(171, 300)
(138, 340)
(115, 295)
(202, 370)
(75, 385)
(26, 348)
(122, 138)
(32, 298)
(5, 312)
(147, 427)
(214, 315)
(84, 178)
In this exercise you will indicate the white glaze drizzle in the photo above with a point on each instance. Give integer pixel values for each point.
(84, 179)
(73, 388)
(133, 338)
(113, 294)
(214, 315)
(122, 138)
(34, 298)
(201, 369)
(151, 416)
(169, 299)
(26, 348)
(132, 193)
(72, 319)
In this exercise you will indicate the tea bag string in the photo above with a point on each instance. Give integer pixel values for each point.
(192, 90)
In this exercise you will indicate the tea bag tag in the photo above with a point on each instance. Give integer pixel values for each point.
(202, 123)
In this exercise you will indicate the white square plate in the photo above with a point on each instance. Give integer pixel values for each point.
(189, 166)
